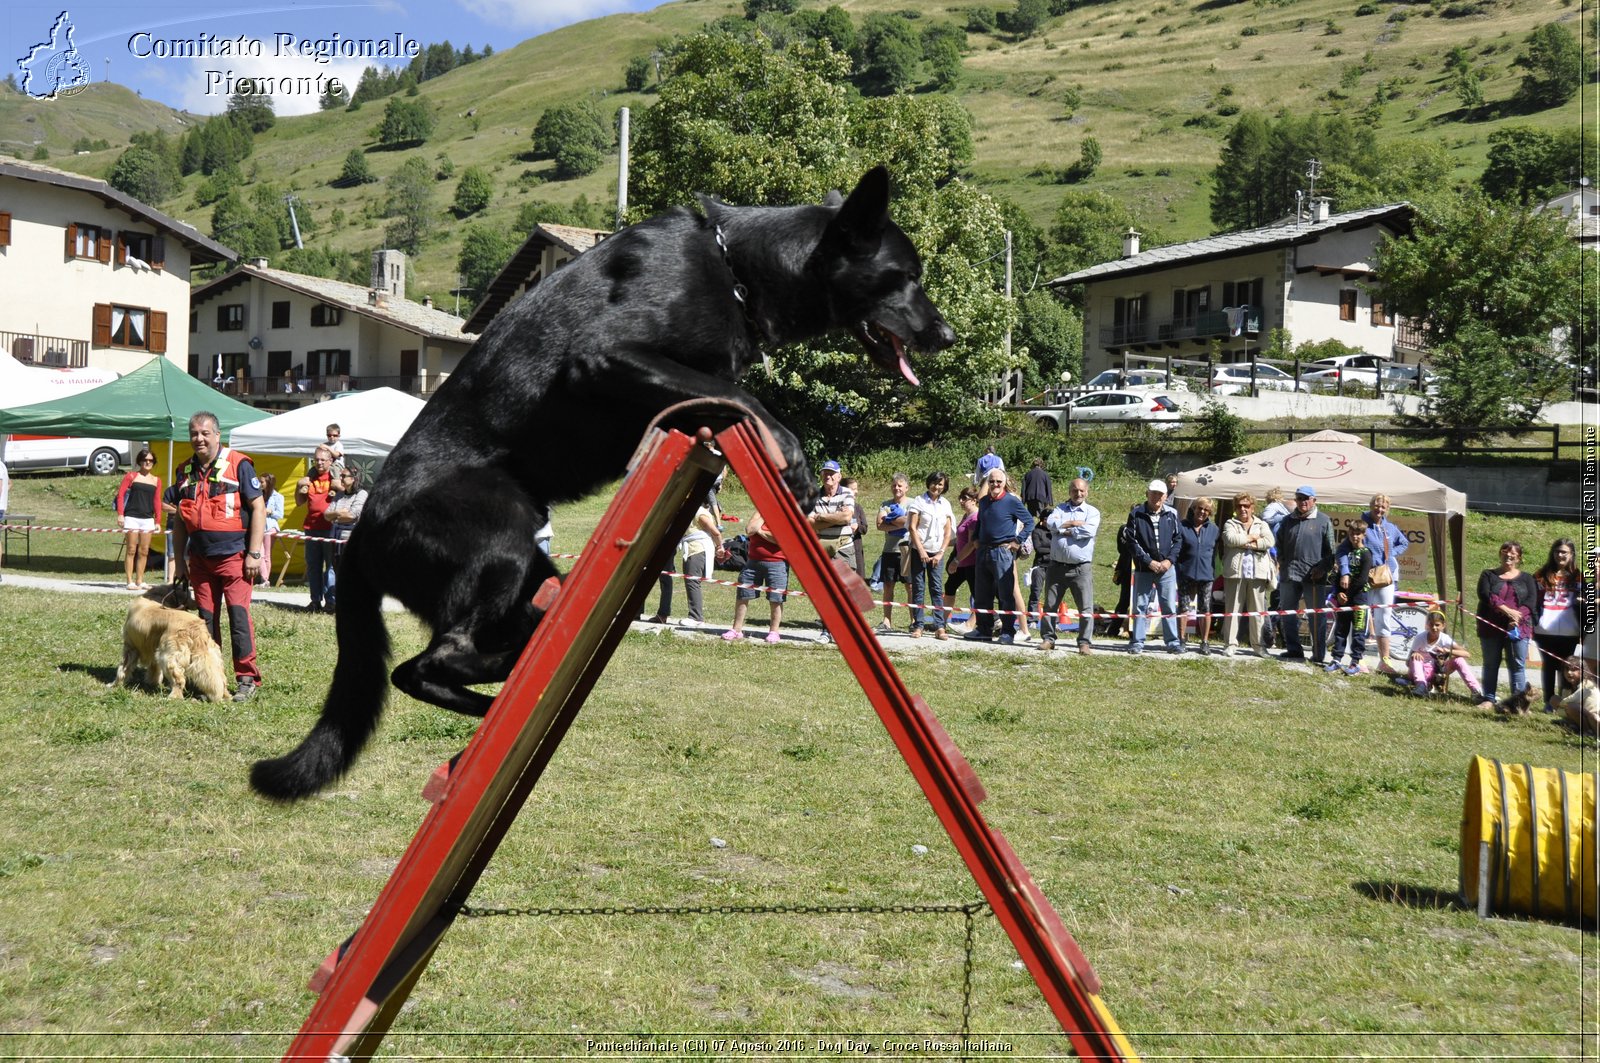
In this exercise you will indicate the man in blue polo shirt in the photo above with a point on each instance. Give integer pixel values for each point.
(1004, 524)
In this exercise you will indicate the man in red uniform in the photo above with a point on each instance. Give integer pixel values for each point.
(222, 517)
(312, 492)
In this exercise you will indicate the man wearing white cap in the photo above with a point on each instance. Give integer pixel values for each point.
(1156, 543)
(1305, 557)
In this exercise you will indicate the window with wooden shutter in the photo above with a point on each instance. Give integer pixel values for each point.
(1380, 313)
(5, 228)
(158, 253)
(102, 249)
(72, 240)
(158, 332)
(1347, 304)
(122, 247)
(102, 325)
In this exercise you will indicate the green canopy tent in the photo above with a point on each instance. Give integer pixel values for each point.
(153, 402)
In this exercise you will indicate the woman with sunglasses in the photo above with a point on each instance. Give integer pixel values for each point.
(136, 515)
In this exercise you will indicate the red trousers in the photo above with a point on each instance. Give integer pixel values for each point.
(214, 578)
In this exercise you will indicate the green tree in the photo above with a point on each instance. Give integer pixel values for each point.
(636, 78)
(145, 173)
(1488, 284)
(410, 204)
(357, 170)
(1554, 65)
(1525, 163)
(485, 249)
(1088, 161)
(1028, 16)
(574, 135)
(755, 8)
(832, 24)
(1263, 163)
(1088, 228)
(755, 126)
(942, 51)
(217, 185)
(337, 98)
(251, 108)
(405, 121)
(889, 54)
(473, 192)
(1469, 88)
(1051, 333)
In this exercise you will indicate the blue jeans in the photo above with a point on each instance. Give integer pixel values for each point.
(1291, 592)
(993, 579)
(1165, 590)
(927, 583)
(1515, 652)
(319, 568)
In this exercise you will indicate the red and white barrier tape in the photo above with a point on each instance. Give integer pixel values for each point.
(1062, 618)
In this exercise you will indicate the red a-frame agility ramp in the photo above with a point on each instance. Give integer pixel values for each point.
(476, 799)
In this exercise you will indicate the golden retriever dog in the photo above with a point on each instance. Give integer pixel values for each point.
(171, 646)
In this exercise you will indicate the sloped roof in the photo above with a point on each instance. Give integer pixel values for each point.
(515, 273)
(402, 313)
(1396, 216)
(201, 249)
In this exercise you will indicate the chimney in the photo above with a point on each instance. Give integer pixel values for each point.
(427, 302)
(1130, 243)
(389, 273)
(377, 297)
(259, 263)
(1319, 208)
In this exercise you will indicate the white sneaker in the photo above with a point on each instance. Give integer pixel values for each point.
(1228, 651)
(689, 623)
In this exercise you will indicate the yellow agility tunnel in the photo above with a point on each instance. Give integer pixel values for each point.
(1528, 841)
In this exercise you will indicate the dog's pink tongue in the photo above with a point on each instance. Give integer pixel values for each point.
(905, 366)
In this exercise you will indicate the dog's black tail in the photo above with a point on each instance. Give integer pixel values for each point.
(355, 698)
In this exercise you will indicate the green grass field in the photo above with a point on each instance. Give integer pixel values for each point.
(1258, 860)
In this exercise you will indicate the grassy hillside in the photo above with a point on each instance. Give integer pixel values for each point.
(1157, 85)
(102, 111)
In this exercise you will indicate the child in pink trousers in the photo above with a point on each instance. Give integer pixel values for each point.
(1434, 653)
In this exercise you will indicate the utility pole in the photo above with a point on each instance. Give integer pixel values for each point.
(1008, 290)
(294, 223)
(622, 166)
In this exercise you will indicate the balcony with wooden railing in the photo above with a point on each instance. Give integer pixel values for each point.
(58, 352)
(1200, 327)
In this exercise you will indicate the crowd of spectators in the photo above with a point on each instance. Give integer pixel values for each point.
(1229, 576)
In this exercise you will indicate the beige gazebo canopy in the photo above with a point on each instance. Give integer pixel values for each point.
(1345, 473)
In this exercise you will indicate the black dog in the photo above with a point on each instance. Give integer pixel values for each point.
(549, 405)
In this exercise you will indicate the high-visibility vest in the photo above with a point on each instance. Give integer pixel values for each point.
(212, 503)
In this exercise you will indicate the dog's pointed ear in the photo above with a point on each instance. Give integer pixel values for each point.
(863, 217)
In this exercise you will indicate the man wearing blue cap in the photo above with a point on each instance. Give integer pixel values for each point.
(831, 516)
(1305, 557)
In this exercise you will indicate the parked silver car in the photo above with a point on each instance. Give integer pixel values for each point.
(1234, 379)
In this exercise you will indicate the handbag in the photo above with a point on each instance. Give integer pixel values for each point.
(1382, 577)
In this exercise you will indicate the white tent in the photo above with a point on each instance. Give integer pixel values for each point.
(23, 385)
(1345, 473)
(370, 423)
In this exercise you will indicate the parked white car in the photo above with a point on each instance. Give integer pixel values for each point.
(1234, 379)
(1113, 407)
(1131, 380)
(1346, 369)
(1405, 377)
(28, 453)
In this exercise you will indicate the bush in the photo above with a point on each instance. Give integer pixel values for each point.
(1222, 430)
